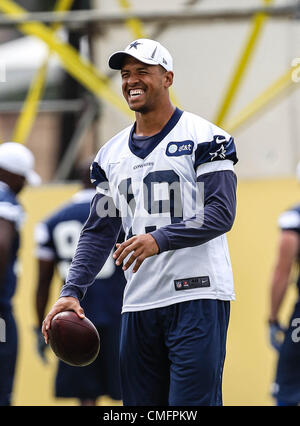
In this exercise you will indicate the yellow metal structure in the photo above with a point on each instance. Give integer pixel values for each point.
(274, 90)
(134, 25)
(258, 23)
(82, 70)
(35, 92)
(97, 83)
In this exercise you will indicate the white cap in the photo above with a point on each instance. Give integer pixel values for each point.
(145, 50)
(16, 158)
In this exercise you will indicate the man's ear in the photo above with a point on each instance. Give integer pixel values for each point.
(169, 77)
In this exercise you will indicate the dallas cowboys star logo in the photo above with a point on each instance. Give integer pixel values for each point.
(221, 153)
(134, 44)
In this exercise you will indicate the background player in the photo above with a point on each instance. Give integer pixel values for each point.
(57, 238)
(286, 388)
(16, 170)
(176, 304)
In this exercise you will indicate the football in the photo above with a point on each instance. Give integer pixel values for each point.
(74, 340)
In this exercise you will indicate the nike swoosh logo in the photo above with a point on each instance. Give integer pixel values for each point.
(218, 140)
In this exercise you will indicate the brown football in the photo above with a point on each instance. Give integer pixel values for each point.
(74, 340)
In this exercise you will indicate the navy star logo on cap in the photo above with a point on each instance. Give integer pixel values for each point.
(134, 44)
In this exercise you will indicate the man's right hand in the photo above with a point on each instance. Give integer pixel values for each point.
(62, 304)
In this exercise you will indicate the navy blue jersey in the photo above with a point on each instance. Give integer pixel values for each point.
(11, 210)
(57, 238)
(290, 221)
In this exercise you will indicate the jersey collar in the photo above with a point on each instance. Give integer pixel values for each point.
(143, 149)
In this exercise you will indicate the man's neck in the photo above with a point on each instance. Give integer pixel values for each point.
(152, 122)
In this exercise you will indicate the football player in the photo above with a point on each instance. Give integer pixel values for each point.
(16, 170)
(56, 239)
(169, 180)
(286, 387)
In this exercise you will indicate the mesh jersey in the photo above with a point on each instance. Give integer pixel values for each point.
(155, 185)
(290, 221)
(11, 210)
(56, 238)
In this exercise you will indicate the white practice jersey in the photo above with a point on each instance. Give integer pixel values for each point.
(153, 186)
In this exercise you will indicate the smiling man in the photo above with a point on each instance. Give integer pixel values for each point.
(145, 85)
(169, 181)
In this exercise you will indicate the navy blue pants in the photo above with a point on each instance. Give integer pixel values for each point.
(8, 356)
(174, 355)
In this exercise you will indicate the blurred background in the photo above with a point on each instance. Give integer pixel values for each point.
(237, 63)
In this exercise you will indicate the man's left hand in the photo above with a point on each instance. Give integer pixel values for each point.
(141, 247)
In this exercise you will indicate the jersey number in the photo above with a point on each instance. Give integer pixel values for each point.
(161, 194)
(66, 235)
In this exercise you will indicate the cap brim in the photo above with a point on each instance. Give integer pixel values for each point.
(33, 178)
(115, 61)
